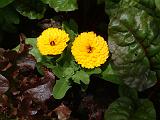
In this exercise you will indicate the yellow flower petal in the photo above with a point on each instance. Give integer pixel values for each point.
(89, 50)
(52, 41)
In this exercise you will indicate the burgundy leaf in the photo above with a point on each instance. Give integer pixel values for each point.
(44, 91)
(41, 92)
(10, 55)
(26, 63)
(3, 103)
(4, 84)
(3, 61)
(63, 112)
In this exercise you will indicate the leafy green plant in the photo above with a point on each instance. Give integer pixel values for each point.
(130, 107)
(33, 9)
(124, 108)
(133, 40)
(63, 66)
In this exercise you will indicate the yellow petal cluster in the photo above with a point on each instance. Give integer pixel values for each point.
(89, 50)
(52, 41)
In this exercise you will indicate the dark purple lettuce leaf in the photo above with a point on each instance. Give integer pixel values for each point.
(4, 84)
(28, 90)
(44, 91)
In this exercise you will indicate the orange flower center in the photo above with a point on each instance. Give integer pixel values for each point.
(52, 43)
(89, 49)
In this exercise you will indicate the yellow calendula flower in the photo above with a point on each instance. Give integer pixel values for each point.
(52, 41)
(89, 50)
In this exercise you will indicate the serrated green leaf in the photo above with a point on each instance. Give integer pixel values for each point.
(125, 109)
(60, 88)
(64, 72)
(81, 76)
(33, 9)
(4, 3)
(68, 72)
(62, 5)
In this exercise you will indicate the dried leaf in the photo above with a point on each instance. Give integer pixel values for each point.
(63, 112)
(4, 84)
(26, 63)
(44, 91)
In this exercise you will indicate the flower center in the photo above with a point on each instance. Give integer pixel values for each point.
(89, 49)
(52, 43)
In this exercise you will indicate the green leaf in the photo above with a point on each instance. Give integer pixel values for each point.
(34, 51)
(157, 2)
(133, 42)
(110, 75)
(63, 72)
(126, 91)
(65, 66)
(62, 5)
(33, 9)
(39, 68)
(93, 71)
(71, 28)
(9, 17)
(125, 109)
(4, 3)
(60, 88)
(81, 76)
(150, 6)
(111, 6)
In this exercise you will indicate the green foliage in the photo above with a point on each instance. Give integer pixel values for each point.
(126, 91)
(126, 109)
(130, 107)
(33, 9)
(81, 76)
(62, 5)
(110, 75)
(4, 3)
(64, 65)
(133, 41)
(151, 6)
(60, 88)
(9, 18)
(71, 28)
(34, 51)
(157, 2)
